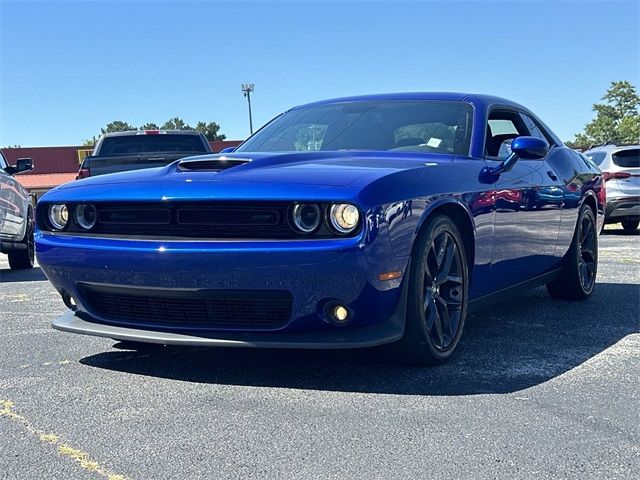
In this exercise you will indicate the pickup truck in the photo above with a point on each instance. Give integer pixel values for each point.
(133, 150)
(16, 215)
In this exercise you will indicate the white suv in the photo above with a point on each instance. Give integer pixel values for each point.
(621, 168)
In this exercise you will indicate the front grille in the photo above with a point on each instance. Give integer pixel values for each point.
(189, 309)
(192, 220)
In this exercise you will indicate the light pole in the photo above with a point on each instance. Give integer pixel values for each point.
(247, 88)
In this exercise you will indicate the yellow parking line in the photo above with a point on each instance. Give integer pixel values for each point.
(80, 457)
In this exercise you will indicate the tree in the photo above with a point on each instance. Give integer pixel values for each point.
(117, 126)
(210, 130)
(617, 120)
(150, 126)
(176, 123)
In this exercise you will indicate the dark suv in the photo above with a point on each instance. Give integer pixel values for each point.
(16, 215)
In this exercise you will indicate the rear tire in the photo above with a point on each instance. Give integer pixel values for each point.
(630, 225)
(24, 259)
(437, 297)
(578, 276)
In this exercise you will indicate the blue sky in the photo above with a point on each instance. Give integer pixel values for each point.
(69, 68)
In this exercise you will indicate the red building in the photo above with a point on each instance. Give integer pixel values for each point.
(54, 166)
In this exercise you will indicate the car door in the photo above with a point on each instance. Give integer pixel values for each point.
(528, 203)
(12, 212)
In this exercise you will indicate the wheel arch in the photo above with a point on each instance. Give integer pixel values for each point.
(462, 219)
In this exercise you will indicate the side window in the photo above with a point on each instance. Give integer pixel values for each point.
(534, 129)
(3, 162)
(597, 157)
(503, 126)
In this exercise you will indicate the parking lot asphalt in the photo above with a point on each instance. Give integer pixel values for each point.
(539, 389)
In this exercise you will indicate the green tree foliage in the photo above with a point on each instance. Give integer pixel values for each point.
(210, 130)
(617, 120)
(176, 123)
(117, 126)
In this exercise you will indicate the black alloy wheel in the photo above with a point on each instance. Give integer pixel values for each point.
(437, 300)
(577, 278)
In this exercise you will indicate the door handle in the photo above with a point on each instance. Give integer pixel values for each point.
(552, 175)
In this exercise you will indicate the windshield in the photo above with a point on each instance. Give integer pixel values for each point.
(416, 126)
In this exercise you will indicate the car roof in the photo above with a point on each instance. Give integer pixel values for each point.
(612, 148)
(442, 96)
(141, 132)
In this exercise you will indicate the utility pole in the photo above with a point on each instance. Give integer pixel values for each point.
(247, 88)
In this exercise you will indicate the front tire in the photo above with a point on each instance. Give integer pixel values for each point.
(578, 276)
(630, 225)
(24, 259)
(437, 298)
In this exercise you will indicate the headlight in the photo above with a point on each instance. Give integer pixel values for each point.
(306, 217)
(86, 216)
(344, 217)
(58, 216)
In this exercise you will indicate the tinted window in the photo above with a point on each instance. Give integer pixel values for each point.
(597, 157)
(165, 143)
(419, 126)
(627, 158)
(533, 127)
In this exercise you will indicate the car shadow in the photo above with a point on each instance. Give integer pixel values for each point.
(619, 231)
(34, 274)
(505, 348)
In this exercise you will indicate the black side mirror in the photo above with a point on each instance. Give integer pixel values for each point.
(23, 165)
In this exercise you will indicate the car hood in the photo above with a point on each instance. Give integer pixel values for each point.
(296, 175)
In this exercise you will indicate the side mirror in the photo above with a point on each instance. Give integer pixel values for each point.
(530, 148)
(227, 150)
(22, 165)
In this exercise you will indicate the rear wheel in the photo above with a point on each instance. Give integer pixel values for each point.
(437, 300)
(630, 225)
(578, 276)
(24, 258)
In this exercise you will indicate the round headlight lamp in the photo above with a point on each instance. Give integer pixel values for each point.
(86, 216)
(306, 217)
(344, 217)
(58, 216)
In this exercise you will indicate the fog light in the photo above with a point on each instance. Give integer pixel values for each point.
(68, 300)
(337, 314)
(340, 313)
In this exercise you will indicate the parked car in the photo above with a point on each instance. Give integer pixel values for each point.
(16, 215)
(621, 167)
(137, 149)
(387, 230)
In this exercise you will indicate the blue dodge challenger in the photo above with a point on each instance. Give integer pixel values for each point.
(351, 222)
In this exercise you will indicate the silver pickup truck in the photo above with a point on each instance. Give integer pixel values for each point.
(133, 150)
(16, 215)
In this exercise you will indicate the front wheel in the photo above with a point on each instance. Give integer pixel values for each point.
(578, 276)
(24, 259)
(630, 225)
(437, 299)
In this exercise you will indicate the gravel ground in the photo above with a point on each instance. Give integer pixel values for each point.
(539, 389)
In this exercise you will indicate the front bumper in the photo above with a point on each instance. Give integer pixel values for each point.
(314, 272)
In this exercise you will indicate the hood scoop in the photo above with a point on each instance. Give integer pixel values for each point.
(212, 165)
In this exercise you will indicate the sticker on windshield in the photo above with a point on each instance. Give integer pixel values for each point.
(434, 142)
